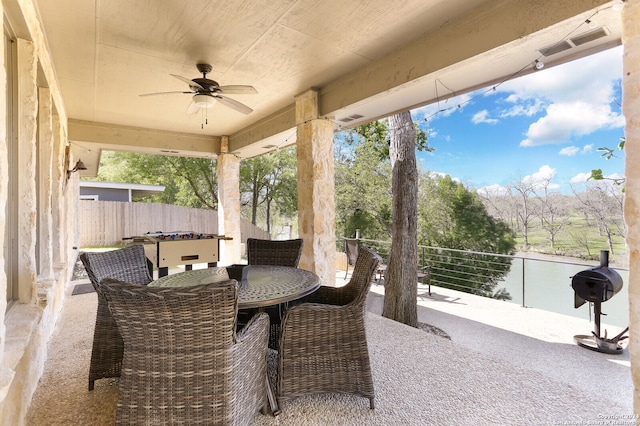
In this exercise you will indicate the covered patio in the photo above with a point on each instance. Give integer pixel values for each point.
(74, 72)
(502, 364)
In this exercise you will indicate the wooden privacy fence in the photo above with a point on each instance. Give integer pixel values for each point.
(105, 223)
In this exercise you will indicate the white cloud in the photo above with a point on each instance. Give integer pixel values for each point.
(527, 107)
(591, 76)
(564, 120)
(493, 190)
(576, 97)
(580, 178)
(442, 174)
(615, 176)
(542, 177)
(608, 179)
(569, 151)
(483, 117)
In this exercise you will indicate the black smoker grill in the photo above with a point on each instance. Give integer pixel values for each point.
(597, 285)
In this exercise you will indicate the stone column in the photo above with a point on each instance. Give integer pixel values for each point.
(46, 280)
(316, 189)
(45, 162)
(6, 375)
(229, 204)
(631, 110)
(27, 110)
(58, 178)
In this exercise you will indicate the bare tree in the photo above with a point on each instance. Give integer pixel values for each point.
(603, 206)
(524, 206)
(400, 303)
(499, 204)
(554, 211)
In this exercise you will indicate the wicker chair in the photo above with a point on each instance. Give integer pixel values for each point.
(183, 363)
(276, 253)
(323, 346)
(128, 264)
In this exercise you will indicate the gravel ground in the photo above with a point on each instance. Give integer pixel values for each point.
(420, 379)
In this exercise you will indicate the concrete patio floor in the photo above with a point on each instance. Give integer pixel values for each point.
(503, 364)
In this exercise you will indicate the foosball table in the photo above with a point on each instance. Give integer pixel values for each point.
(165, 249)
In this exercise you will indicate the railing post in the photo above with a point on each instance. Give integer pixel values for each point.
(523, 286)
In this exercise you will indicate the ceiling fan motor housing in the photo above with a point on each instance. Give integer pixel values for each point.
(207, 84)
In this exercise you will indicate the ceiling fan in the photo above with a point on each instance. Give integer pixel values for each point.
(206, 93)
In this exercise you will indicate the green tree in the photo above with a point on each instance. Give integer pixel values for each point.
(363, 192)
(268, 185)
(453, 217)
(363, 179)
(197, 192)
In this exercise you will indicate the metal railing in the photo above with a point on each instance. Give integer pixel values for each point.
(531, 282)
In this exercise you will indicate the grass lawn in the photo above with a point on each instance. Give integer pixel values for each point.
(578, 239)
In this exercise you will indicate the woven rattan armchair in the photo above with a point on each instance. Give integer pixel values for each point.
(128, 264)
(275, 253)
(183, 363)
(323, 346)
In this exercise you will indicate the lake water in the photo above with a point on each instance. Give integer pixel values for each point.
(548, 287)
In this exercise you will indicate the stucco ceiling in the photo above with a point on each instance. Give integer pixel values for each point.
(367, 59)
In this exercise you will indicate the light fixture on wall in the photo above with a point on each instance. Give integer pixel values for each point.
(538, 65)
(79, 166)
(618, 5)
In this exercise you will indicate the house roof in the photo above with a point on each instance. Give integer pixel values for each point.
(138, 190)
(366, 59)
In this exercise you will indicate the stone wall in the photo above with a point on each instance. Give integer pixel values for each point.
(631, 110)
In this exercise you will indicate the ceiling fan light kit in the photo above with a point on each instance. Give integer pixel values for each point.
(204, 101)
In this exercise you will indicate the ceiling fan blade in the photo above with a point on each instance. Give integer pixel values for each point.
(192, 108)
(162, 93)
(238, 89)
(233, 104)
(191, 83)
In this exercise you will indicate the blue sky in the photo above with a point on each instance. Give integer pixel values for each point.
(547, 124)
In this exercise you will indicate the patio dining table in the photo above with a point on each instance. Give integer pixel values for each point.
(264, 285)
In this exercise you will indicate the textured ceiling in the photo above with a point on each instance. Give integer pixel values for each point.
(368, 58)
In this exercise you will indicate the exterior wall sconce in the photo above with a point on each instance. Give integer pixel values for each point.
(618, 5)
(79, 166)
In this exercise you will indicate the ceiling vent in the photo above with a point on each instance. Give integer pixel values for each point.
(555, 48)
(351, 118)
(590, 36)
(578, 40)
